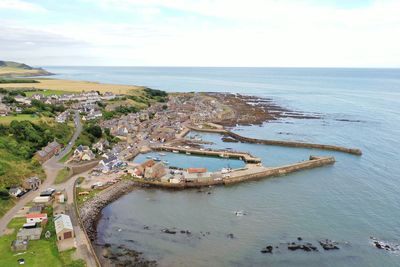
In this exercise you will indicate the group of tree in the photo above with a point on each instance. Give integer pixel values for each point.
(24, 138)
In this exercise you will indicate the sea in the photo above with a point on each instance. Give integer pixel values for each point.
(349, 202)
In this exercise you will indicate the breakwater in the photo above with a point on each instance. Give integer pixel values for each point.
(354, 151)
(251, 172)
(91, 210)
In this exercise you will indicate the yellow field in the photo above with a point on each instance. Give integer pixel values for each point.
(74, 86)
(8, 71)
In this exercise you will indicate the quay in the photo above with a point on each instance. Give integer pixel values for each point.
(249, 173)
(221, 130)
(246, 157)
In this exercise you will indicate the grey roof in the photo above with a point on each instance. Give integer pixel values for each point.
(62, 222)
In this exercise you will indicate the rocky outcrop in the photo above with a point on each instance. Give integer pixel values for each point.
(91, 210)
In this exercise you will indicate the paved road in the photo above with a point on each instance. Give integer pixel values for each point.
(51, 168)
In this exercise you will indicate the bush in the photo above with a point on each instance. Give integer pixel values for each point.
(4, 195)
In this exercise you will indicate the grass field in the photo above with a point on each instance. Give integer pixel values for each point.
(24, 117)
(75, 86)
(40, 253)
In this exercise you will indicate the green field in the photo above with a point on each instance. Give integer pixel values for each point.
(46, 92)
(40, 252)
(20, 117)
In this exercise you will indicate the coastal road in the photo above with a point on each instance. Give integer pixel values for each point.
(51, 168)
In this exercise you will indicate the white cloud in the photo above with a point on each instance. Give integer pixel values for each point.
(20, 6)
(229, 33)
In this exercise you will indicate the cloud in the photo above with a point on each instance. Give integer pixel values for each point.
(20, 5)
(213, 33)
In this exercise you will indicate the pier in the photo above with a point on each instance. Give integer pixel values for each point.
(354, 151)
(246, 157)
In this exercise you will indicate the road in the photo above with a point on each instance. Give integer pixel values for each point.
(51, 168)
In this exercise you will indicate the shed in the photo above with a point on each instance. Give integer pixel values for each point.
(29, 234)
(19, 245)
(64, 229)
(41, 199)
(35, 209)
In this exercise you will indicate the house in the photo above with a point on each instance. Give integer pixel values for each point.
(29, 233)
(83, 153)
(155, 172)
(31, 183)
(62, 117)
(36, 217)
(16, 191)
(48, 151)
(108, 162)
(64, 229)
(22, 100)
(88, 155)
(101, 145)
(58, 208)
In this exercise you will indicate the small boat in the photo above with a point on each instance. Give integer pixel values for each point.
(240, 213)
(149, 157)
(162, 154)
(157, 159)
(175, 151)
(223, 156)
(187, 153)
(165, 162)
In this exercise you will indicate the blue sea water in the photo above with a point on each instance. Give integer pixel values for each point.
(354, 199)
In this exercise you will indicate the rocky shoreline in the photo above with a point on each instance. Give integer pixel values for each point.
(91, 210)
(252, 110)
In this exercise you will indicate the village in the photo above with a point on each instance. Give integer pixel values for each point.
(107, 155)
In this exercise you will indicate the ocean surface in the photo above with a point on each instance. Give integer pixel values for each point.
(350, 201)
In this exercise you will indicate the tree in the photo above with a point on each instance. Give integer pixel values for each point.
(4, 195)
(95, 130)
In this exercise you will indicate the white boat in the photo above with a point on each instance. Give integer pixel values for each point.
(156, 159)
(161, 154)
(149, 157)
(175, 151)
(223, 156)
(240, 213)
(187, 153)
(165, 162)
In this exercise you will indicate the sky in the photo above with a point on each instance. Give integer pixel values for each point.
(251, 33)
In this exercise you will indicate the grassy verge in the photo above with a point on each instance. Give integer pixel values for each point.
(66, 156)
(5, 205)
(62, 176)
(83, 198)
